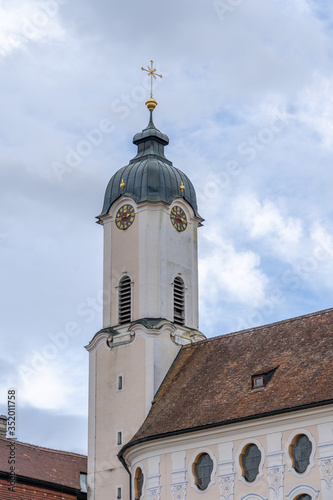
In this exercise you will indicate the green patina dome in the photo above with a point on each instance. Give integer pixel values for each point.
(150, 176)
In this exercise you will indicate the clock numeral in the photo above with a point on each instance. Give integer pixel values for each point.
(125, 217)
(178, 218)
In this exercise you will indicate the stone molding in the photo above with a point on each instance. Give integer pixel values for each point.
(275, 478)
(227, 484)
(154, 493)
(326, 470)
(302, 489)
(178, 491)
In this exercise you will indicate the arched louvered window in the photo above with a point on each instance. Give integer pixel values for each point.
(125, 300)
(179, 301)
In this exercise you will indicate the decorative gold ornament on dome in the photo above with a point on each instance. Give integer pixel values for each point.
(122, 184)
(182, 187)
(151, 103)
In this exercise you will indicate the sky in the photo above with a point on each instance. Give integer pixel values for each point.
(246, 99)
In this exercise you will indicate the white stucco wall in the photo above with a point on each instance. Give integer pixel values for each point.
(152, 252)
(277, 480)
(142, 358)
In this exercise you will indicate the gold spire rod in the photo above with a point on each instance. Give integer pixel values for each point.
(152, 73)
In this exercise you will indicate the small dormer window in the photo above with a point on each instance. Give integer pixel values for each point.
(179, 301)
(261, 380)
(258, 382)
(125, 300)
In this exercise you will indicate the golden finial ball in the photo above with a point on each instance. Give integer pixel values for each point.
(151, 104)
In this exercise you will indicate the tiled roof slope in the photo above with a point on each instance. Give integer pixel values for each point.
(53, 466)
(210, 382)
(28, 492)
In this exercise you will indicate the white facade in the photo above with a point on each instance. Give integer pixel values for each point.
(129, 361)
(152, 253)
(171, 460)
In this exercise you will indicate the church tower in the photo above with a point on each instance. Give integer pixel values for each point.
(150, 283)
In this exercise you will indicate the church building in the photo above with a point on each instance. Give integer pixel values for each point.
(176, 416)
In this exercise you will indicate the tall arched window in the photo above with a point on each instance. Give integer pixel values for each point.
(138, 483)
(125, 300)
(178, 301)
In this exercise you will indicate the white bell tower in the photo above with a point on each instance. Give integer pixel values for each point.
(150, 222)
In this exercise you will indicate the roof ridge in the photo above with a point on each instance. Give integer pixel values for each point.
(268, 325)
(29, 445)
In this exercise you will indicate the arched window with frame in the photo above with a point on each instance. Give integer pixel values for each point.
(179, 301)
(300, 450)
(202, 468)
(138, 483)
(250, 461)
(125, 300)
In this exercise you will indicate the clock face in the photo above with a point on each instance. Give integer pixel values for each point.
(125, 217)
(178, 218)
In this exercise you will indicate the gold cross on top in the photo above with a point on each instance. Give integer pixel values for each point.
(152, 73)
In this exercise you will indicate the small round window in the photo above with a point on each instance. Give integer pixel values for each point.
(301, 449)
(250, 461)
(304, 497)
(138, 483)
(202, 468)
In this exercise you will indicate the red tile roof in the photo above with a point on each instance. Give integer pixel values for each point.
(29, 492)
(53, 466)
(210, 382)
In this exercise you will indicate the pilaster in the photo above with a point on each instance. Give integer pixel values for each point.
(226, 474)
(154, 476)
(275, 467)
(325, 459)
(178, 474)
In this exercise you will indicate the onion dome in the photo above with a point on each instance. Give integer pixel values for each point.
(150, 176)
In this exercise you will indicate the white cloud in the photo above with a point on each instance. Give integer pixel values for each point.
(237, 274)
(28, 20)
(316, 261)
(316, 108)
(48, 388)
(291, 241)
(322, 239)
(265, 221)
